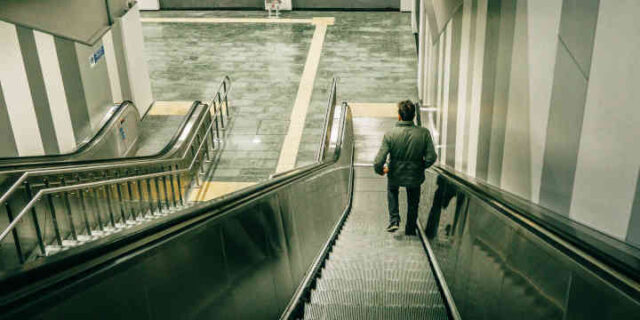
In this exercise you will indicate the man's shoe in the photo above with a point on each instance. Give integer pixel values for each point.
(393, 227)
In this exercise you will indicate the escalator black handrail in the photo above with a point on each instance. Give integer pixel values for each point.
(8, 162)
(32, 280)
(328, 119)
(614, 260)
(168, 147)
(47, 161)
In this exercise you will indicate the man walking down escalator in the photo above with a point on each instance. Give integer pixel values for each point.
(410, 152)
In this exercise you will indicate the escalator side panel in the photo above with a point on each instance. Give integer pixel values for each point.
(245, 263)
(497, 268)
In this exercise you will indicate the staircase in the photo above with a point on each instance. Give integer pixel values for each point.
(373, 274)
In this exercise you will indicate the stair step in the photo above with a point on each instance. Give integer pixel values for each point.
(376, 274)
(372, 242)
(377, 255)
(357, 312)
(373, 259)
(376, 285)
(372, 248)
(414, 265)
(377, 298)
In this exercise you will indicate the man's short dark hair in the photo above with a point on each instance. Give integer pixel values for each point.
(406, 110)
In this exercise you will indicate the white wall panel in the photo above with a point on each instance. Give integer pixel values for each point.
(465, 62)
(422, 39)
(446, 80)
(112, 66)
(476, 87)
(17, 94)
(516, 167)
(543, 25)
(137, 70)
(608, 157)
(58, 105)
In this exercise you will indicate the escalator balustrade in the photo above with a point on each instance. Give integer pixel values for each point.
(66, 204)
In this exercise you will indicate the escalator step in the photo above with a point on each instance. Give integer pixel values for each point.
(378, 264)
(357, 312)
(375, 255)
(375, 285)
(380, 249)
(376, 298)
(376, 274)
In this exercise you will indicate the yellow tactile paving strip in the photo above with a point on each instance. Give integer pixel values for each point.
(170, 108)
(289, 151)
(374, 110)
(213, 189)
(175, 108)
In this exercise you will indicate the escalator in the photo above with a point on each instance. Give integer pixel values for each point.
(310, 244)
(118, 137)
(372, 274)
(53, 203)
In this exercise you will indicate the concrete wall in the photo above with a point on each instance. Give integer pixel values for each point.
(537, 98)
(54, 93)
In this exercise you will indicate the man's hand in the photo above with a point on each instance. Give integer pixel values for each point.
(385, 170)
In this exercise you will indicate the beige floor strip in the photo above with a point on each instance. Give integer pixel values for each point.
(213, 189)
(170, 108)
(289, 151)
(374, 110)
(226, 20)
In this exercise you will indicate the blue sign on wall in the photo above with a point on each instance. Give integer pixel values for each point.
(96, 56)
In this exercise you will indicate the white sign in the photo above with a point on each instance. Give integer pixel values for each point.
(96, 56)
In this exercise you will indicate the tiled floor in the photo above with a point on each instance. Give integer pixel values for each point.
(373, 53)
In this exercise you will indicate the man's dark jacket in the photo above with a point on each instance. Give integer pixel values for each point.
(412, 152)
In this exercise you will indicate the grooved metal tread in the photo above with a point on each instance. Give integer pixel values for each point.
(376, 274)
(358, 312)
(376, 285)
(374, 298)
(377, 264)
(373, 274)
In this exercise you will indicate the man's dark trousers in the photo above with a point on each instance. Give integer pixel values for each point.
(413, 201)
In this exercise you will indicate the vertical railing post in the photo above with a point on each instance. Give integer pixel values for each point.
(173, 187)
(14, 232)
(67, 203)
(121, 201)
(130, 192)
(54, 219)
(139, 183)
(155, 180)
(220, 109)
(36, 223)
(226, 99)
(217, 129)
(179, 186)
(87, 225)
(166, 191)
(97, 208)
(149, 196)
(107, 191)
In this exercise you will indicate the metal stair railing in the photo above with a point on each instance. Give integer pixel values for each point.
(109, 197)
